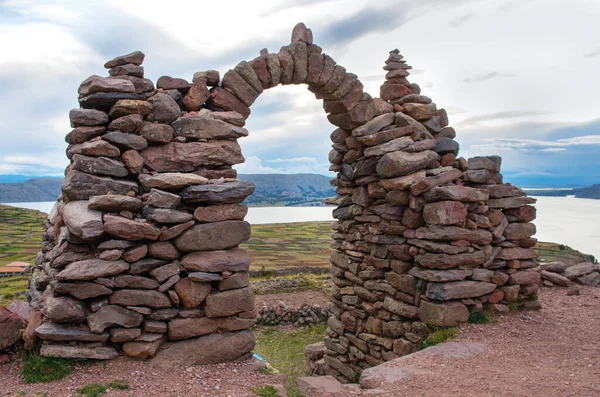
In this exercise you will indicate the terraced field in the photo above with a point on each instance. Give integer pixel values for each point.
(290, 245)
(20, 234)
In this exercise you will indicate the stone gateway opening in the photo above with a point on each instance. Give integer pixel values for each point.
(141, 252)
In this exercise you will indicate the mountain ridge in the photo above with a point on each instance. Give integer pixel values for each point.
(271, 189)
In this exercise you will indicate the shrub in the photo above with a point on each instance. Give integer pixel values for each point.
(438, 335)
(478, 318)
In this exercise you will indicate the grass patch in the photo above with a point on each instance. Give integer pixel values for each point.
(268, 284)
(478, 318)
(38, 369)
(438, 335)
(96, 389)
(515, 304)
(264, 391)
(284, 350)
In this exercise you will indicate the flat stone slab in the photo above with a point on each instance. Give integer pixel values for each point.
(389, 375)
(96, 353)
(57, 332)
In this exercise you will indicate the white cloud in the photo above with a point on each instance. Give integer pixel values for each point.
(300, 165)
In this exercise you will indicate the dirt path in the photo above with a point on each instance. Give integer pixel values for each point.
(554, 352)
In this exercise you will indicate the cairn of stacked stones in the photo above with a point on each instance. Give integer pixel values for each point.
(142, 246)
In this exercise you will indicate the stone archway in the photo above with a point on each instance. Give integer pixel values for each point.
(142, 246)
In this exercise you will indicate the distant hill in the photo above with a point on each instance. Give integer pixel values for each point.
(37, 189)
(271, 189)
(288, 189)
(592, 192)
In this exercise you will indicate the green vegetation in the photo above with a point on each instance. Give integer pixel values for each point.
(20, 234)
(552, 252)
(96, 389)
(11, 288)
(516, 304)
(284, 349)
(291, 283)
(283, 245)
(38, 369)
(436, 336)
(264, 391)
(478, 318)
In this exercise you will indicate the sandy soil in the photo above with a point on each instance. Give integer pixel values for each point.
(553, 352)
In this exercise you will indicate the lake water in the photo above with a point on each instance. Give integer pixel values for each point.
(566, 220)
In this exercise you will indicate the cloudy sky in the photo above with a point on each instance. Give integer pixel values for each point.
(519, 78)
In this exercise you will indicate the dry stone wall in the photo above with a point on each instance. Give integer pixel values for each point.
(142, 247)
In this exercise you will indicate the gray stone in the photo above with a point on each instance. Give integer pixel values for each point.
(95, 353)
(592, 279)
(130, 297)
(82, 220)
(120, 335)
(136, 58)
(228, 303)
(186, 157)
(219, 213)
(213, 236)
(232, 260)
(458, 290)
(579, 270)
(166, 215)
(87, 117)
(400, 308)
(448, 314)
(128, 229)
(115, 203)
(226, 193)
(186, 328)
(95, 84)
(125, 141)
(145, 265)
(456, 193)
(440, 275)
(555, 278)
(200, 127)
(64, 310)
(137, 282)
(210, 349)
(159, 133)
(171, 181)
(112, 315)
(58, 332)
(402, 163)
(164, 108)
(99, 166)
(205, 277)
(81, 290)
(160, 199)
(81, 186)
(453, 233)
(235, 281)
(90, 269)
(490, 163)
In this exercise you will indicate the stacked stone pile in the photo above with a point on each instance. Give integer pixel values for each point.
(422, 237)
(142, 247)
(566, 275)
(282, 314)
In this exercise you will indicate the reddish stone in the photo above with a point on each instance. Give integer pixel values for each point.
(393, 91)
(445, 213)
(525, 213)
(197, 95)
(448, 159)
(496, 296)
(224, 99)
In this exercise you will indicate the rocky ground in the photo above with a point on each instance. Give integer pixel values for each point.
(554, 352)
